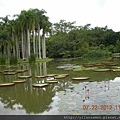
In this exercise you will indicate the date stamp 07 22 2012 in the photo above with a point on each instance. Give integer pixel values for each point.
(101, 107)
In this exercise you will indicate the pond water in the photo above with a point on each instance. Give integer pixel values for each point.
(24, 99)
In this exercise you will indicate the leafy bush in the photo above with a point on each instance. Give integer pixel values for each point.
(13, 60)
(32, 58)
(96, 53)
(2, 59)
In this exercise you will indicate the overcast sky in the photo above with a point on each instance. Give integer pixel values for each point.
(95, 12)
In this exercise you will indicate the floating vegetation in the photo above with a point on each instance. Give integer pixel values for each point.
(7, 84)
(40, 76)
(68, 66)
(10, 73)
(24, 77)
(115, 70)
(52, 81)
(60, 76)
(40, 85)
(19, 81)
(80, 78)
(9, 70)
(99, 64)
(101, 70)
(88, 65)
(20, 71)
(65, 74)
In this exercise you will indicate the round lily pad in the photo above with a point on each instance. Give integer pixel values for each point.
(20, 71)
(23, 77)
(60, 76)
(115, 70)
(19, 81)
(51, 75)
(88, 65)
(7, 84)
(10, 73)
(9, 70)
(99, 64)
(80, 78)
(101, 70)
(40, 85)
(40, 76)
(52, 81)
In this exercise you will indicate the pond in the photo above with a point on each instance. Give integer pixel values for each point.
(62, 96)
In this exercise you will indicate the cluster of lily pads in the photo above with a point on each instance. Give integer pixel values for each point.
(97, 67)
(24, 78)
(13, 72)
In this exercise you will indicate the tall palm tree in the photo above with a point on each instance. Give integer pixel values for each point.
(46, 25)
(39, 19)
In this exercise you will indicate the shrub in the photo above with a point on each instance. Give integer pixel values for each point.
(13, 60)
(2, 59)
(96, 54)
(32, 58)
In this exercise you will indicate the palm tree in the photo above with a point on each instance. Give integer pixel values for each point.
(46, 28)
(39, 19)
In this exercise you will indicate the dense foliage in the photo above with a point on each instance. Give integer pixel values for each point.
(82, 41)
(32, 32)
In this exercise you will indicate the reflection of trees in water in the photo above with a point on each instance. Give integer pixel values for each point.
(33, 100)
(35, 103)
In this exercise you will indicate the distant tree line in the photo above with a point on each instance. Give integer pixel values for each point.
(31, 33)
(69, 40)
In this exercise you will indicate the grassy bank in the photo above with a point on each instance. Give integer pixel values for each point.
(27, 61)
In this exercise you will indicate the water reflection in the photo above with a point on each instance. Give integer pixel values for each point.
(25, 99)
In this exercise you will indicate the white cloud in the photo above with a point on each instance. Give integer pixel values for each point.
(96, 12)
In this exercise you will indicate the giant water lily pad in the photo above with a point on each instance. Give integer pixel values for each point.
(23, 77)
(99, 64)
(9, 73)
(64, 74)
(19, 81)
(60, 76)
(40, 76)
(101, 70)
(115, 70)
(40, 85)
(80, 78)
(52, 81)
(88, 65)
(20, 71)
(6, 84)
(9, 70)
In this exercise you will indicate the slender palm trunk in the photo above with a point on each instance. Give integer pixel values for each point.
(34, 42)
(25, 45)
(23, 53)
(17, 51)
(13, 43)
(28, 42)
(39, 47)
(43, 46)
(36, 45)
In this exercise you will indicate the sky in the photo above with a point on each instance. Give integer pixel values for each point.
(98, 13)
